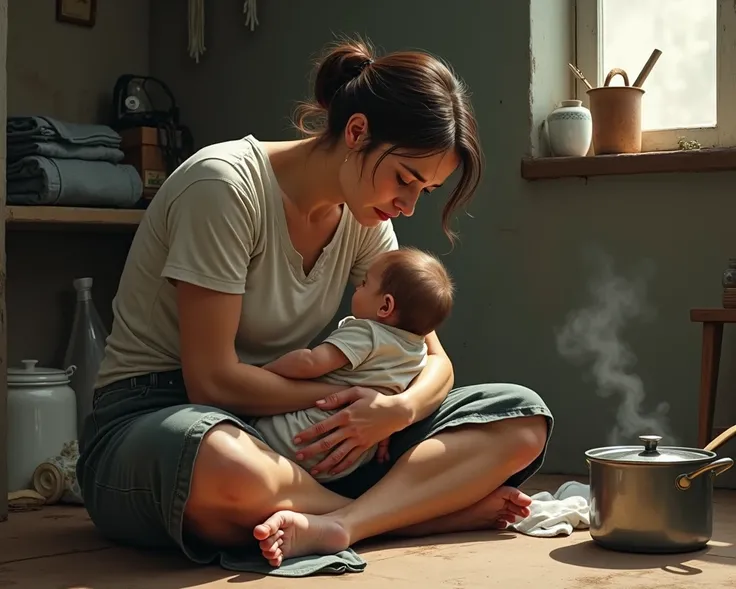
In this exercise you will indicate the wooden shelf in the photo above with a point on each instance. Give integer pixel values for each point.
(655, 162)
(72, 217)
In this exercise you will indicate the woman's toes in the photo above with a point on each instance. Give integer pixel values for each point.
(276, 561)
(518, 510)
(262, 532)
(268, 528)
(271, 541)
(519, 498)
(271, 548)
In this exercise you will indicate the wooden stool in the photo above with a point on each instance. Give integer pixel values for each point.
(710, 360)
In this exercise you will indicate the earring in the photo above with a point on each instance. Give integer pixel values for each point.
(346, 158)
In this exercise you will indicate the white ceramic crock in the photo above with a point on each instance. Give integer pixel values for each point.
(570, 129)
(42, 417)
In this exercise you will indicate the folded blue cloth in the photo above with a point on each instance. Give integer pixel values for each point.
(38, 180)
(103, 153)
(41, 128)
(345, 561)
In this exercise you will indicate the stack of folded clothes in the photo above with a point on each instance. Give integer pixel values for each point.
(51, 162)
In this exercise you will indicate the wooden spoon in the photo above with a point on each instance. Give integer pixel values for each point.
(647, 69)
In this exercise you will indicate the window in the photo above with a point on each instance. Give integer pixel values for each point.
(691, 92)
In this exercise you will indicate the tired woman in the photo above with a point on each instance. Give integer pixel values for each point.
(243, 255)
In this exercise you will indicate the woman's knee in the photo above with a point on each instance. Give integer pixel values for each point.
(516, 441)
(226, 474)
(525, 438)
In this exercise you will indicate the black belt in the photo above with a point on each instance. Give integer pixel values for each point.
(170, 378)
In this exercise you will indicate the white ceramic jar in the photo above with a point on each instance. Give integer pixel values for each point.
(42, 417)
(570, 129)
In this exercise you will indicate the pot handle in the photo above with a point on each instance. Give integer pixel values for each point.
(722, 439)
(720, 466)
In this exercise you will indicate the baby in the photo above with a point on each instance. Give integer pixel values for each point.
(406, 294)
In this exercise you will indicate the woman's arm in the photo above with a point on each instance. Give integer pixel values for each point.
(208, 322)
(430, 388)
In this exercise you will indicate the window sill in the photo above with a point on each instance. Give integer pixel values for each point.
(657, 162)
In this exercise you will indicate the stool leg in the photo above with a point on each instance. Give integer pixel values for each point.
(709, 364)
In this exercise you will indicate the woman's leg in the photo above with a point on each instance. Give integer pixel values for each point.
(238, 481)
(446, 474)
(154, 468)
(156, 471)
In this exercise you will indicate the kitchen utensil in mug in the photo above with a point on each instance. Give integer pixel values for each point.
(647, 69)
(580, 75)
(654, 499)
(616, 112)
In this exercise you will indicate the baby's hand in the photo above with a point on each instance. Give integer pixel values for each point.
(382, 451)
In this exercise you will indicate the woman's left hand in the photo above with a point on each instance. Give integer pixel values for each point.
(369, 418)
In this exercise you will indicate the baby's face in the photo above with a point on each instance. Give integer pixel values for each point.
(368, 301)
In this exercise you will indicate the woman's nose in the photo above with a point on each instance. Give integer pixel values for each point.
(406, 204)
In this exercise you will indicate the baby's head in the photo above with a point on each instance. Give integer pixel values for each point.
(406, 288)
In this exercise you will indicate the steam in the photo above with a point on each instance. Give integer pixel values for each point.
(593, 335)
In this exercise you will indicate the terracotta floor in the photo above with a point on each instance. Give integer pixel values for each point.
(57, 548)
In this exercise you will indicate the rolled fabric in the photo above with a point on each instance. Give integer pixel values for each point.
(56, 478)
(48, 481)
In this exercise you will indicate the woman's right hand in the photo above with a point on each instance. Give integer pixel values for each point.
(366, 419)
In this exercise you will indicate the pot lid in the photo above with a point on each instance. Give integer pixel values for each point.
(649, 453)
(29, 373)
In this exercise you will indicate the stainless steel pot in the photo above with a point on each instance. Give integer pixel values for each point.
(654, 499)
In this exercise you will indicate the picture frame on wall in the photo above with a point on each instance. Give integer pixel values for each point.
(77, 12)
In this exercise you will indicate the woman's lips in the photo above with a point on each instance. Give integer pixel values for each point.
(381, 215)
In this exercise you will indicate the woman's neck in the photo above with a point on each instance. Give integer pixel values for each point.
(309, 176)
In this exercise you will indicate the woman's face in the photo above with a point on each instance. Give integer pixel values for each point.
(395, 187)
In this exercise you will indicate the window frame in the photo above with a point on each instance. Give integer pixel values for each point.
(588, 53)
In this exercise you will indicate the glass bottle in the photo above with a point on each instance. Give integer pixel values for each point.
(85, 349)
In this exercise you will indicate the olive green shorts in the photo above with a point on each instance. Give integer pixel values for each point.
(141, 439)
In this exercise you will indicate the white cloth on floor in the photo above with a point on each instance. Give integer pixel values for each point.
(557, 514)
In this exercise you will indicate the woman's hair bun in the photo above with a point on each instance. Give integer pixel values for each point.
(341, 63)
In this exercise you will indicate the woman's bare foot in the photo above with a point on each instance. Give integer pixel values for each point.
(499, 509)
(287, 534)
(494, 512)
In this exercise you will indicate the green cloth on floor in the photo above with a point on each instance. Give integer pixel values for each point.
(345, 561)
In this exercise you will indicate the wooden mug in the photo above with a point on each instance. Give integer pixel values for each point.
(616, 112)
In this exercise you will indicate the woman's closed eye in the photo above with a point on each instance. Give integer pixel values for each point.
(402, 182)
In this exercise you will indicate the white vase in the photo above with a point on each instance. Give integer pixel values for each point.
(570, 129)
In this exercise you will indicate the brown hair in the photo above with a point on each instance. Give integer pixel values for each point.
(412, 100)
(421, 287)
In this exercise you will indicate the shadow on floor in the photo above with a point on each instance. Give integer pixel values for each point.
(590, 555)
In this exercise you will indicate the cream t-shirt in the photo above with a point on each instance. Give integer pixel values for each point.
(218, 222)
(381, 356)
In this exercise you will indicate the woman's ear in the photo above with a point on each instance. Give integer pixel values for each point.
(356, 131)
(388, 306)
